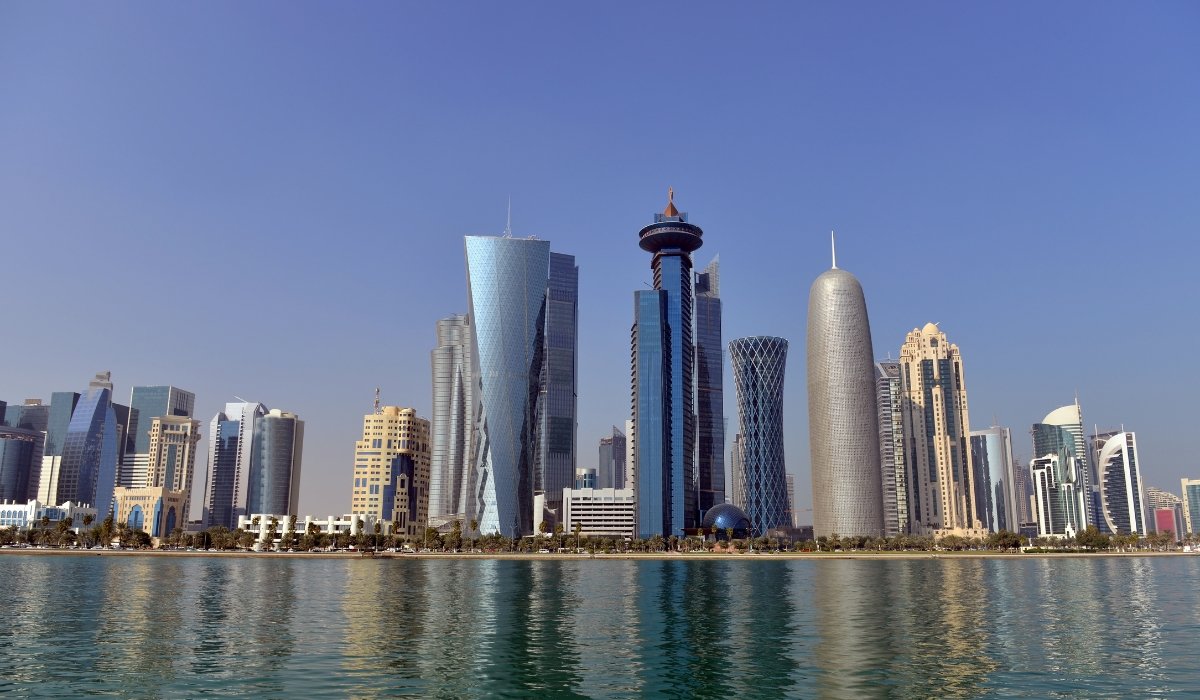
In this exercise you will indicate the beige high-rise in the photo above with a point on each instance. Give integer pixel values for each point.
(172, 459)
(391, 470)
(937, 432)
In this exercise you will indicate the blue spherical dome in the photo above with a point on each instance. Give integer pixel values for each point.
(724, 516)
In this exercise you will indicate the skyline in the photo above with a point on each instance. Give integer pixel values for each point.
(176, 178)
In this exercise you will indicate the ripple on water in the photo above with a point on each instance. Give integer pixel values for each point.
(287, 627)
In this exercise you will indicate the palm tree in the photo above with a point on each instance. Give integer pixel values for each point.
(87, 523)
(378, 529)
(474, 528)
(558, 530)
(63, 527)
(395, 533)
(578, 529)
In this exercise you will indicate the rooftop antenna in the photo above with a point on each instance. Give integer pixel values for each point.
(833, 248)
(377, 411)
(508, 227)
(240, 398)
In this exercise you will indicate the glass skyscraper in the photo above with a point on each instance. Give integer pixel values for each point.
(710, 394)
(758, 371)
(610, 474)
(147, 403)
(1070, 419)
(996, 498)
(230, 439)
(1122, 498)
(89, 460)
(507, 280)
(556, 458)
(663, 382)
(274, 486)
(453, 392)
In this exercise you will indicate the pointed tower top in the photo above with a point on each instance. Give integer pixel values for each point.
(670, 210)
(508, 226)
(833, 247)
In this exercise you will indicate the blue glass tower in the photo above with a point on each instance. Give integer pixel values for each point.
(663, 382)
(758, 369)
(507, 279)
(90, 450)
(710, 389)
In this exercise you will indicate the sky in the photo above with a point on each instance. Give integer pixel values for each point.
(268, 199)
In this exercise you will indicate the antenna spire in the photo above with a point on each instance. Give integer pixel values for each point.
(508, 227)
(376, 400)
(833, 248)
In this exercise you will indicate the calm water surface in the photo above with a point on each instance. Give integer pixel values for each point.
(142, 627)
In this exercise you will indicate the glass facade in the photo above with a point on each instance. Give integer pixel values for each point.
(664, 381)
(758, 372)
(610, 473)
(62, 407)
(1070, 419)
(20, 462)
(1064, 497)
(1191, 505)
(89, 460)
(230, 439)
(710, 394)
(275, 464)
(507, 280)
(453, 387)
(554, 469)
(995, 497)
(154, 402)
(1122, 502)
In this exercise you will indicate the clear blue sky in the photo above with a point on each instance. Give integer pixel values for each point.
(269, 199)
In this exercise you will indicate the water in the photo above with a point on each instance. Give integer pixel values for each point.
(147, 627)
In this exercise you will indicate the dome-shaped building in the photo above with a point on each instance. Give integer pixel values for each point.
(724, 516)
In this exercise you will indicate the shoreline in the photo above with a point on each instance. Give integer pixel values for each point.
(654, 556)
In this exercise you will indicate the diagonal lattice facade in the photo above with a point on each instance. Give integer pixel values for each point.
(506, 289)
(758, 369)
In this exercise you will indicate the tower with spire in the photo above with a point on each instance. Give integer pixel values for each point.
(663, 356)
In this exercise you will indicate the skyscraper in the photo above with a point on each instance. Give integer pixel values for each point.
(147, 403)
(663, 382)
(62, 408)
(737, 476)
(90, 451)
(793, 517)
(996, 499)
(230, 439)
(1070, 419)
(1191, 505)
(1164, 511)
(172, 456)
(22, 447)
(1122, 500)
(554, 469)
(1059, 477)
(274, 484)
(843, 421)
(611, 471)
(758, 372)
(453, 402)
(891, 448)
(936, 426)
(710, 393)
(506, 288)
(392, 469)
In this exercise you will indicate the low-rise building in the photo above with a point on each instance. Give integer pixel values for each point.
(155, 510)
(260, 525)
(24, 515)
(600, 512)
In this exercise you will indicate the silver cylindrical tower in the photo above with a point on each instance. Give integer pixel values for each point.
(842, 422)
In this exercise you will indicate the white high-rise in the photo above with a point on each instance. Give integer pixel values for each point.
(452, 425)
(1122, 497)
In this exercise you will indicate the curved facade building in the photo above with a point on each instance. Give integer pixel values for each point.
(275, 464)
(724, 516)
(506, 289)
(1122, 501)
(842, 421)
(758, 370)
